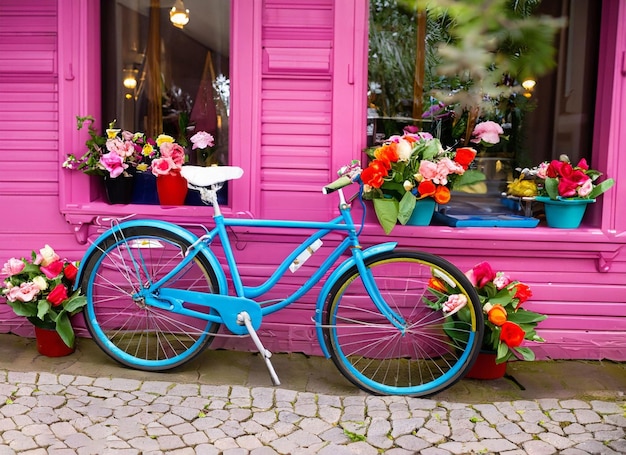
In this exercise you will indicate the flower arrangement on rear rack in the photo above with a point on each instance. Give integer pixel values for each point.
(41, 290)
(507, 324)
(411, 167)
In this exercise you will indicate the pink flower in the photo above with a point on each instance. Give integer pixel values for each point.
(163, 166)
(53, 270)
(26, 292)
(173, 151)
(487, 132)
(113, 163)
(501, 280)
(202, 140)
(428, 169)
(454, 303)
(13, 266)
(481, 274)
(122, 148)
(585, 188)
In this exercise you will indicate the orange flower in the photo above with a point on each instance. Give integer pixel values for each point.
(442, 194)
(497, 315)
(436, 284)
(522, 293)
(387, 154)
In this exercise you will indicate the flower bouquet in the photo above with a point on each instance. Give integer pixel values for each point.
(411, 167)
(40, 290)
(118, 153)
(562, 180)
(507, 324)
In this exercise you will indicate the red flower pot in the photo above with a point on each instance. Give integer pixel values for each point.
(172, 189)
(486, 367)
(50, 344)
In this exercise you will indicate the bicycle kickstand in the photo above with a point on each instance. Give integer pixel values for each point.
(244, 318)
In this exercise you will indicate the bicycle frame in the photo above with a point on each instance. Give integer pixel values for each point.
(228, 307)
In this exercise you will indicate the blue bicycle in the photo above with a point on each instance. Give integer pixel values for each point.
(157, 296)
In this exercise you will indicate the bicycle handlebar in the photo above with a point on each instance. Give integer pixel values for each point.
(347, 175)
(341, 182)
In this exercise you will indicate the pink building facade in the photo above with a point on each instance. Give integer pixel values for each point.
(299, 78)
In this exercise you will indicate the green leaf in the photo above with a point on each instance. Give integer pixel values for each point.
(526, 353)
(503, 353)
(43, 308)
(469, 177)
(387, 213)
(522, 316)
(601, 188)
(75, 302)
(551, 186)
(23, 309)
(406, 207)
(64, 328)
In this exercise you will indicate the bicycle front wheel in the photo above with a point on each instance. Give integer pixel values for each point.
(121, 323)
(415, 349)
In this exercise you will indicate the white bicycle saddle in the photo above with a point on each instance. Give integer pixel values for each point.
(201, 176)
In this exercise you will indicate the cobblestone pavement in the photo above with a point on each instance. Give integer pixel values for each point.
(65, 414)
(85, 404)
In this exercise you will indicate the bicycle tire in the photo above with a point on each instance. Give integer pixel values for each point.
(125, 328)
(419, 359)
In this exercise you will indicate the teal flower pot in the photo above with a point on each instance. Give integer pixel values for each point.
(422, 213)
(564, 213)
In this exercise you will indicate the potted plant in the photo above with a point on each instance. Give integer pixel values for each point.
(507, 324)
(567, 189)
(410, 168)
(40, 290)
(116, 157)
(171, 186)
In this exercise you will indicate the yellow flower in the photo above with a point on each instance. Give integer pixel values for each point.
(112, 132)
(163, 138)
(522, 188)
(142, 167)
(147, 150)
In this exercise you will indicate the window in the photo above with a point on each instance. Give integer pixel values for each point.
(554, 118)
(189, 88)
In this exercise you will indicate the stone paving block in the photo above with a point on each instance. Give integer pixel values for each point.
(537, 447)
(556, 440)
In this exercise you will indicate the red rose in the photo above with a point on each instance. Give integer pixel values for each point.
(374, 174)
(426, 188)
(522, 293)
(464, 156)
(512, 334)
(70, 272)
(57, 295)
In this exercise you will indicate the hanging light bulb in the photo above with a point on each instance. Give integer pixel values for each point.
(179, 15)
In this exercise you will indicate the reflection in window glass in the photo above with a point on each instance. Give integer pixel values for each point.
(160, 78)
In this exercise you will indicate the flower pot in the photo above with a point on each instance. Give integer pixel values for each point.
(422, 213)
(145, 189)
(119, 190)
(564, 213)
(172, 189)
(50, 344)
(486, 367)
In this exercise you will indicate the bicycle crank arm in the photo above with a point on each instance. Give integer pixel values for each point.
(228, 307)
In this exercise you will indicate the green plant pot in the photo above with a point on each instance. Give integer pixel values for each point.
(564, 213)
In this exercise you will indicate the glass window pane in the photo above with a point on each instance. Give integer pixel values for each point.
(160, 78)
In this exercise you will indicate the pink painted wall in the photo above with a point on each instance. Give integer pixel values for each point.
(298, 114)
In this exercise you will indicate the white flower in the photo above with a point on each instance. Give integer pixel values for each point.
(405, 149)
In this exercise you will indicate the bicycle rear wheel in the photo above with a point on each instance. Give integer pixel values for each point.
(122, 325)
(427, 351)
